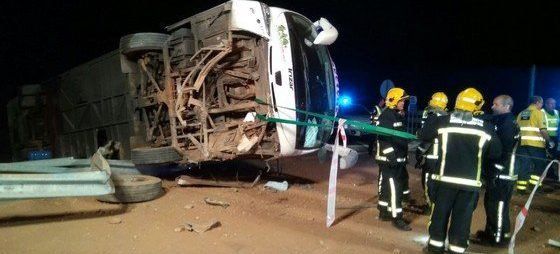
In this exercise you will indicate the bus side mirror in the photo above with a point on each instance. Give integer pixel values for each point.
(327, 32)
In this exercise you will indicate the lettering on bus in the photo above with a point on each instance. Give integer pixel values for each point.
(291, 78)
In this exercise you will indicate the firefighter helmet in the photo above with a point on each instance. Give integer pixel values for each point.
(470, 100)
(394, 96)
(439, 100)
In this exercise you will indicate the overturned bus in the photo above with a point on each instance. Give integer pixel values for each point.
(193, 93)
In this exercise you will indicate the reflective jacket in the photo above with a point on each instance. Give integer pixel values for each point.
(390, 149)
(465, 141)
(428, 152)
(551, 122)
(531, 121)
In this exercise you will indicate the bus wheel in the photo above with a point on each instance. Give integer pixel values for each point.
(133, 188)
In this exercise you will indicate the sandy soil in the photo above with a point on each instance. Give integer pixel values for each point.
(257, 220)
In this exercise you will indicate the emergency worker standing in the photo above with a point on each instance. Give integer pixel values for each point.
(465, 141)
(391, 156)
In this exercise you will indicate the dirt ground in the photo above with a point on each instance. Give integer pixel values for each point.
(257, 220)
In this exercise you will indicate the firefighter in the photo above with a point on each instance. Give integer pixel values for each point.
(391, 155)
(465, 141)
(427, 152)
(500, 176)
(534, 139)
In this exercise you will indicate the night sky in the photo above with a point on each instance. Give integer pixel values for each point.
(422, 47)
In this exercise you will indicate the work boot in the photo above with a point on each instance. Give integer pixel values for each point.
(483, 238)
(401, 224)
(428, 250)
(385, 216)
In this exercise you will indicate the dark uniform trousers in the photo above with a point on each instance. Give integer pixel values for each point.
(530, 164)
(458, 205)
(391, 189)
(496, 203)
(428, 185)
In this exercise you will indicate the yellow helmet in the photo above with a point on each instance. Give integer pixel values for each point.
(394, 96)
(469, 99)
(439, 100)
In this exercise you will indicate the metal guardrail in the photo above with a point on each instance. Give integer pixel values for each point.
(64, 177)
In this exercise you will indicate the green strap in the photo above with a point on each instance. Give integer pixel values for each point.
(362, 126)
(280, 120)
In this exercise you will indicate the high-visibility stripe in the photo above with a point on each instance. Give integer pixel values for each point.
(462, 130)
(533, 138)
(382, 203)
(397, 124)
(380, 158)
(535, 177)
(456, 248)
(521, 187)
(384, 158)
(436, 243)
(398, 210)
(500, 218)
(435, 151)
(379, 184)
(426, 176)
(484, 137)
(443, 153)
(393, 198)
(388, 150)
(522, 182)
(533, 182)
(498, 166)
(480, 146)
(457, 180)
(535, 129)
(507, 177)
(512, 161)
(406, 192)
(551, 129)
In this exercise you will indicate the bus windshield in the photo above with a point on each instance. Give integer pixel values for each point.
(314, 83)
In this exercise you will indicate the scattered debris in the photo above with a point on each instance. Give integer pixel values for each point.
(201, 228)
(216, 202)
(116, 220)
(278, 186)
(554, 243)
(189, 206)
(179, 229)
(187, 181)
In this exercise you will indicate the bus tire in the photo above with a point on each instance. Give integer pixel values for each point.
(133, 189)
(132, 44)
(158, 155)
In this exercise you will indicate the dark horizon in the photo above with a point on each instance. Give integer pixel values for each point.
(423, 47)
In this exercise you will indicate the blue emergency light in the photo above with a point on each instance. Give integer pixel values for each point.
(345, 101)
